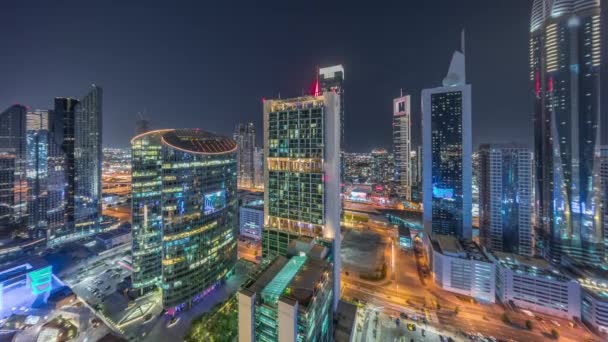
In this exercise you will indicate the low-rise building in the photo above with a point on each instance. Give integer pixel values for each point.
(460, 266)
(292, 299)
(594, 306)
(252, 219)
(533, 284)
(116, 237)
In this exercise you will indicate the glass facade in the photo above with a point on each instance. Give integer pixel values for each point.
(87, 162)
(37, 136)
(295, 173)
(184, 213)
(13, 182)
(447, 168)
(565, 76)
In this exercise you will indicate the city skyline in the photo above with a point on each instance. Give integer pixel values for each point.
(203, 75)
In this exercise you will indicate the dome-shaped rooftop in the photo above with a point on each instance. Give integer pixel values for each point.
(198, 142)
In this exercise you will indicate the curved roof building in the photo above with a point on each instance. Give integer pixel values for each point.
(184, 213)
(565, 62)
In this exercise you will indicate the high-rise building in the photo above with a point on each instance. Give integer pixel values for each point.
(184, 213)
(245, 141)
(331, 79)
(76, 140)
(88, 158)
(565, 62)
(380, 173)
(506, 198)
(13, 181)
(63, 133)
(291, 300)
(302, 173)
(37, 154)
(447, 150)
(402, 142)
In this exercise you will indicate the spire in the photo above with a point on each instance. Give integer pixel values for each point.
(457, 71)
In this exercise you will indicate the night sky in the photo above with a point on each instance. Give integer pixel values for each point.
(206, 65)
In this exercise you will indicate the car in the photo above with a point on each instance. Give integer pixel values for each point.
(411, 327)
(403, 315)
(107, 287)
(556, 324)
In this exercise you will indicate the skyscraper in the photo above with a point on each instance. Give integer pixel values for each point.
(87, 162)
(142, 125)
(63, 133)
(446, 144)
(76, 130)
(402, 141)
(506, 198)
(13, 182)
(37, 140)
(245, 141)
(302, 173)
(258, 165)
(565, 46)
(184, 213)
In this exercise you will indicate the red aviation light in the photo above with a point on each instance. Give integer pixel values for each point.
(551, 84)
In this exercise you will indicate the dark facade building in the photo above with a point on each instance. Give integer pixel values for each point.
(13, 182)
(506, 198)
(565, 62)
(184, 213)
(402, 144)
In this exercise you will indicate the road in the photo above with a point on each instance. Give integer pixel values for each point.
(407, 289)
(121, 212)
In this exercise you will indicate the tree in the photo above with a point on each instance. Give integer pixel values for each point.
(505, 318)
(529, 325)
(555, 334)
(438, 306)
(456, 309)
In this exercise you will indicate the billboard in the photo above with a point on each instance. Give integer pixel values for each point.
(214, 201)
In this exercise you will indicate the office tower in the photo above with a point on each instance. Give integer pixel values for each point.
(291, 300)
(88, 159)
(565, 45)
(76, 130)
(402, 141)
(446, 144)
(302, 173)
(184, 213)
(37, 155)
(331, 79)
(506, 198)
(245, 141)
(380, 173)
(63, 133)
(258, 165)
(13, 182)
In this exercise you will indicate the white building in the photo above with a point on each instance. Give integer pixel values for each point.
(447, 149)
(402, 143)
(252, 219)
(506, 198)
(594, 306)
(531, 283)
(461, 267)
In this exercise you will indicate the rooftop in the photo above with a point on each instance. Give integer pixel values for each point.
(451, 246)
(345, 317)
(302, 286)
(199, 142)
(279, 283)
(530, 266)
